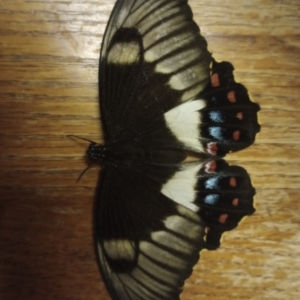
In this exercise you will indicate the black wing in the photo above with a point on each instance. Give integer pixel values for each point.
(148, 243)
(153, 58)
(152, 222)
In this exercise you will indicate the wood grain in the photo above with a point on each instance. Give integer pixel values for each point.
(49, 53)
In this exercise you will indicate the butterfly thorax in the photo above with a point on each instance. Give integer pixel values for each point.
(96, 152)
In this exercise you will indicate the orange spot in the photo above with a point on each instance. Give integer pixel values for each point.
(212, 148)
(215, 79)
(240, 116)
(210, 167)
(223, 218)
(236, 135)
(232, 182)
(231, 97)
(206, 230)
(235, 202)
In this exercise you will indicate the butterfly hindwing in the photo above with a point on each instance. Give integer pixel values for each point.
(229, 119)
(225, 196)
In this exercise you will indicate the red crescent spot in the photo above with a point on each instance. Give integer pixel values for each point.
(240, 116)
(210, 167)
(215, 80)
(231, 97)
(232, 182)
(236, 135)
(223, 218)
(212, 148)
(206, 230)
(235, 202)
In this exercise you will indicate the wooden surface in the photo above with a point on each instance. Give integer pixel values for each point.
(49, 52)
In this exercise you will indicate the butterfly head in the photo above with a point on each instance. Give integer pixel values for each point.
(96, 152)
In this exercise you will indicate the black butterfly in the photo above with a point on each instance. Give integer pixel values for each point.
(169, 112)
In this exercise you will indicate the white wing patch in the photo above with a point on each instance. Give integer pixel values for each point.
(185, 79)
(181, 187)
(156, 270)
(120, 249)
(167, 46)
(184, 121)
(166, 240)
(176, 62)
(182, 226)
(124, 53)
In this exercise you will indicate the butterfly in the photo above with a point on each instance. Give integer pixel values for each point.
(170, 112)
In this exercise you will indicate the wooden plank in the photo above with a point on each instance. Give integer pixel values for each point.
(49, 54)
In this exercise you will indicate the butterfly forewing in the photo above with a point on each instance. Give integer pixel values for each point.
(163, 96)
(155, 48)
(148, 243)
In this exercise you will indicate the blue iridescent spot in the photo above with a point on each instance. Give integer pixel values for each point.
(216, 116)
(211, 199)
(216, 132)
(212, 183)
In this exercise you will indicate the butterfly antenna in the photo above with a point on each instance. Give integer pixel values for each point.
(81, 138)
(81, 174)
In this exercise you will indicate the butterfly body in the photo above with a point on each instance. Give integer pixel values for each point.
(170, 112)
(134, 152)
